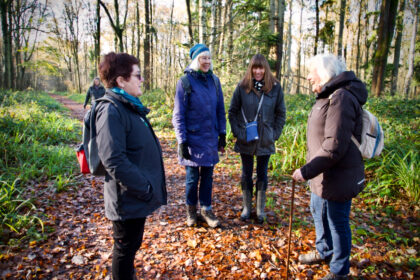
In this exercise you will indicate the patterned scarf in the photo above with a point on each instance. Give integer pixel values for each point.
(258, 85)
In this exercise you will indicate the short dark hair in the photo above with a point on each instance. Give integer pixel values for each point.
(114, 65)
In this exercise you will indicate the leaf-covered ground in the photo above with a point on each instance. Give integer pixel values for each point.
(79, 244)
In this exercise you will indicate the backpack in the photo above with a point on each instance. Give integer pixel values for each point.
(372, 137)
(87, 152)
(187, 86)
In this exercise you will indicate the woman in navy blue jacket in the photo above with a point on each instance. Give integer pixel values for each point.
(200, 126)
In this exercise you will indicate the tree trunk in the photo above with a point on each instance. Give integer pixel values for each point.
(212, 42)
(386, 30)
(190, 22)
(229, 3)
(5, 9)
(288, 81)
(359, 27)
(411, 54)
(138, 31)
(341, 28)
(272, 15)
(147, 40)
(397, 48)
(202, 22)
(316, 26)
(299, 48)
(279, 46)
(97, 37)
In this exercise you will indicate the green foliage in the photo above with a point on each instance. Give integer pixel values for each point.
(35, 139)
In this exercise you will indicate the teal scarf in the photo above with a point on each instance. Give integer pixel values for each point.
(133, 100)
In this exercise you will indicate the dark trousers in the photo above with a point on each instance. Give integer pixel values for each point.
(128, 236)
(248, 167)
(204, 174)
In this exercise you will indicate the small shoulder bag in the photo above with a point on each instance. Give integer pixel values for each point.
(252, 127)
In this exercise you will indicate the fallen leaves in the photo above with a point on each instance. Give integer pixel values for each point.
(80, 244)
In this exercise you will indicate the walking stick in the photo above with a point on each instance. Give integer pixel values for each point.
(290, 229)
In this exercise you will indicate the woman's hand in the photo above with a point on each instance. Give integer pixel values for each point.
(297, 176)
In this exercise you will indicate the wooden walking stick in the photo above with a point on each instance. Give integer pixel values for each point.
(290, 229)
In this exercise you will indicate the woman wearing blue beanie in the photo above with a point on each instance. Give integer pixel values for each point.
(200, 127)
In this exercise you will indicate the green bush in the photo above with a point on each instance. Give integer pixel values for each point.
(36, 139)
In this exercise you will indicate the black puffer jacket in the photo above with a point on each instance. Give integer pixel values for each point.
(131, 154)
(94, 92)
(271, 119)
(334, 164)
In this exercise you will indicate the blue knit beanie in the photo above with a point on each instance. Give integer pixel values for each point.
(197, 49)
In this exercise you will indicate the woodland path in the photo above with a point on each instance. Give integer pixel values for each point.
(79, 244)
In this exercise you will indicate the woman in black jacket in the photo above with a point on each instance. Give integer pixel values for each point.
(257, 97)
(95, 91)
(131, 154)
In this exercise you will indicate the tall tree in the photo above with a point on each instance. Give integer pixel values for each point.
(202, 21)
(411, 55)
(397, 48)
(299, 48)
(190, 32)
(359, 31)
(147, 41)
(287, 62)
(386, 29)
(272, 15)
(341, 28)
(316, 26)
(279, 43)
(5, 14)
(212, 43)
(117, 26)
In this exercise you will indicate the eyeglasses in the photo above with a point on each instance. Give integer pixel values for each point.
(138, 76)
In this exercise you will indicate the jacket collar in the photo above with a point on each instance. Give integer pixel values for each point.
(124, 101)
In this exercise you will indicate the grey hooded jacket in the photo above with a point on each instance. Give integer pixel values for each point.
(131, 154)
(271, 119)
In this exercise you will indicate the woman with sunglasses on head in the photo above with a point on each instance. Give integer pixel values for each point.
(257, 98)
(132, 157)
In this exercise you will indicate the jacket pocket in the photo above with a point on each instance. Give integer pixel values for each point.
(267, 136)
(193, 128)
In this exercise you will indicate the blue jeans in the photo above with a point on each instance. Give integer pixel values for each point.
(205, 175)
(248, 167)
(333, 234)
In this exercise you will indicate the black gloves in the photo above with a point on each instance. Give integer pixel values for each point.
(222, 142)
(183, 151)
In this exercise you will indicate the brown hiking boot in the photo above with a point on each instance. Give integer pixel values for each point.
(210, 218)
(191, 215)
(313, 258)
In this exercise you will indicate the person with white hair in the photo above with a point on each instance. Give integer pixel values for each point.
(200, 127)
(334, 165)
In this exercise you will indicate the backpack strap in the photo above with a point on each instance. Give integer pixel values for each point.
(216, 81)
(187, 87)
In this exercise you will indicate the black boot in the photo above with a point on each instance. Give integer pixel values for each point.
(246, 200)
(261, 198)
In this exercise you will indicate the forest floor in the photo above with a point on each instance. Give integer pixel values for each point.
(79, 244)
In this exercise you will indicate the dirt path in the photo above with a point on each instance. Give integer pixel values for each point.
(79, 243)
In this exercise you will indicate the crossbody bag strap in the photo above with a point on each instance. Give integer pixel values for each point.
(258, 110)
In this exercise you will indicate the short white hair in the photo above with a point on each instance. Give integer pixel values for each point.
(327, 66)
(195, 64)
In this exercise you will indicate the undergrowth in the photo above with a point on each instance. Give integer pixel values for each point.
(36, 138)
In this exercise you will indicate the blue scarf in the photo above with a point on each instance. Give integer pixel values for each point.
(133, 100)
